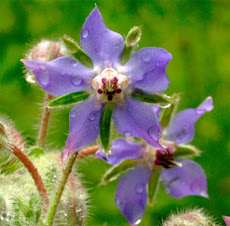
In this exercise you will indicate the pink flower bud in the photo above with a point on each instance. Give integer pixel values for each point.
(9, 135)
(45, 50)
(190, 218)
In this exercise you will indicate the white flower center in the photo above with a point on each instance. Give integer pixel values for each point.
(110, 86)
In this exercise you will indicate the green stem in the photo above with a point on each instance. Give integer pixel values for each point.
(59, 190)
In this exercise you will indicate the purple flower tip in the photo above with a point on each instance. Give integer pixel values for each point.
(65, 154)
(227, 220)
(206, 106)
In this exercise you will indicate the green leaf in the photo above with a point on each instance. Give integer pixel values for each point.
(115, 171)
(12, 164)
(186, 151)
(36, 151)
(160, 99)
(131, 43)
(77, 51)
(105, 123)
(167, 113)
(68, 99)
(153, 186)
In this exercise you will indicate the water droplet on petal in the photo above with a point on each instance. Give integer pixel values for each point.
(42, 67)
(109, 152)
(153, 133)
(91, 116)
(43, 78)
(139, 189)
(168, 190)
(117, 45)
(137, 222)
(197, 187)
(76, 80)
(127, 133)
(183, 182)
(157, 64)
(85, 33)
(62, 72)
(72, 114)
(97, 49)
(120, 203)
(146, 58)
(199, 111)
(75, 65)
(97, 106)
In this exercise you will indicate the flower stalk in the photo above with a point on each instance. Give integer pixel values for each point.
(41, 140)
(34, 173)
(59, 189)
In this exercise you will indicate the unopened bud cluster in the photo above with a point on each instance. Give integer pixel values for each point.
(9, 135)
(193, 217)
(45, 50)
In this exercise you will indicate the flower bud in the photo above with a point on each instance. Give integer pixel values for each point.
(133, 36)
(131, 43)
(9, 135)
(45, 50)
(189, 218)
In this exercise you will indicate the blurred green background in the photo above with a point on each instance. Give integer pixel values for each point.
(196, 33)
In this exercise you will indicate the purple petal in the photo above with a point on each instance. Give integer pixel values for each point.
(181, 129)
(102, 45)
(61, 76)
(122, 149)
(146, 70)
(131, 195)
(137, 119)
(226, 220)
(84, 125)
(189, 179)
(157, 110)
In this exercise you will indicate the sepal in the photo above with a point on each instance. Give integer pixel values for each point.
(153, 186)
(105, 123)
(186, 151)
(68, 99)
(131, 43)
(77, 51)
(115, 171)
(160, 99)
(167, 113)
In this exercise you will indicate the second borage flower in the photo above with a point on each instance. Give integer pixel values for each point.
(109, 89)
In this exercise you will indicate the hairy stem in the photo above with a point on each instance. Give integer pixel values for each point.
(41, 140)
(59, 189)
(35, 175)
(88, 151)
(74, 199)
(63, 180)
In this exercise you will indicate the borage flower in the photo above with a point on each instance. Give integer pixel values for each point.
(108, 82)
(179, 177)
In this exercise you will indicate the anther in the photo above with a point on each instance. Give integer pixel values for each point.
(100, 91)
(115, 80)
(118, 90)
(103, 80)
(165, 158)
